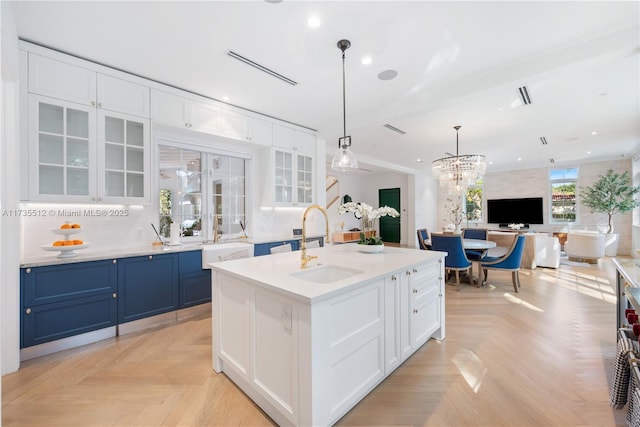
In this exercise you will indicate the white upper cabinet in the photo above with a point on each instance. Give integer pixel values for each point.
(261, 132)
(183, 112)
(123, 96)
(62, 150)
(60, 80)
(293, 139)
(88, 135)
(210, 117)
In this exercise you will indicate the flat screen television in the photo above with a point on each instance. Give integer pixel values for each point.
(515, 211)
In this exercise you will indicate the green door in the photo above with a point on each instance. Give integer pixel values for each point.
(390, 227)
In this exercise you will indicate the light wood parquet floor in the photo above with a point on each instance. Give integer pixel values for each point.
(537, 358)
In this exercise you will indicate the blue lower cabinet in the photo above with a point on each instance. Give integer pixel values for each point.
(195, 282)
(147, 286)
(60, 301)
(265, 248)
(49, 322)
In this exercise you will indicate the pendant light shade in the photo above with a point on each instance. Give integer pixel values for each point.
(344, 159)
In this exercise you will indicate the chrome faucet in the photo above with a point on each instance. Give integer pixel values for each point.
(304, 258)
(216, 229)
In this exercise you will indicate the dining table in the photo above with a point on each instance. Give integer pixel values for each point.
(477, 245)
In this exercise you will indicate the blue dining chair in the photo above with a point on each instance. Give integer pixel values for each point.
(456, 260)
(423, 239)
(475, 233)
(508, 262)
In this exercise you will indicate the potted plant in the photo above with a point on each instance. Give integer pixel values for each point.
(366, 214)
(611, 194)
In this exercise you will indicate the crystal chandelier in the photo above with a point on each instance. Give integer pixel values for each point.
(344, 160)
(460, 170)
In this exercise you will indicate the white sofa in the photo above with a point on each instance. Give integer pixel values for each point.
(583, 245)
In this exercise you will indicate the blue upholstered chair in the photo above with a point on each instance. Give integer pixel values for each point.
(456, 260)
(508, 262)
(423, 239)
(475, 233)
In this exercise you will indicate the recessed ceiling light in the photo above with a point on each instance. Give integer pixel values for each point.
(519, 159)
(490, 163)
(225, 98)
(366, 60)
(419, 160)
(273, 1)
(588, 152)
(594, 133)
(313, 22)
(500, 109)
(388, 75)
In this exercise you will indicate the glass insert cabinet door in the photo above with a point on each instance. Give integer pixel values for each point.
(123, 156)
(305, 179)
(283, 177)
(61, 150)
(228, 194)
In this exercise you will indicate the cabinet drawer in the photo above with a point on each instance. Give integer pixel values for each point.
(54, 321)
(41, 285)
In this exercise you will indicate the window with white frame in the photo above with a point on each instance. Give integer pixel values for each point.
(473, 201)
(563, 195)
(195, 188)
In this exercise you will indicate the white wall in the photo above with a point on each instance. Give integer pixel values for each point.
(9, 170)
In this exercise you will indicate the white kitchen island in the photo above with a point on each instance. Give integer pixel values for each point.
(308, 345)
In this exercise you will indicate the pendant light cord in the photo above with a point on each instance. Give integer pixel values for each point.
(344, 102)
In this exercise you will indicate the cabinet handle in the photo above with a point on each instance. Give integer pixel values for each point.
(439, 295)
(415, 271)
(93, 199)
(93, 103)
(28, 270)
(28, 311)
(150, 256)
(100, 104)
(186, 125)
(408, 273)
(394, 278)
(415, 291)
(99, 199)
(114, 295)
(115, 261)
(415, 311)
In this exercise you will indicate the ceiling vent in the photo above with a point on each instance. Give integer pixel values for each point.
(395, 129)
(261, 67)
(543, 140)
(524, 95)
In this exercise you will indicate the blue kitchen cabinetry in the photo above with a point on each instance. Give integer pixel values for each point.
(265, 248)
(195, 282)
(64, 300)
(147, 286)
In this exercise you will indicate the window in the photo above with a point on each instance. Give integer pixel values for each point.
(563, 195)
(180, 186)
(473, 202)
(195, 187)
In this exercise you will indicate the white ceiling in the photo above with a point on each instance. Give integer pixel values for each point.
(457, 63)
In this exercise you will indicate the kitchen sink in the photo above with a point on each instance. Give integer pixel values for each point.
(216, 252)
(326, 273)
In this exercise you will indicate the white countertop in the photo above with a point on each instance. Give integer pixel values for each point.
(91, 254)
(83, 255)
(274, 271)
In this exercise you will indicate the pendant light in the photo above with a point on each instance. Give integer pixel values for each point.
(460, 170)
(344, 160)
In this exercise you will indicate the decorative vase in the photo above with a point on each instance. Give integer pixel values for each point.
(457, 230)
(370, 249)
(366, 224)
